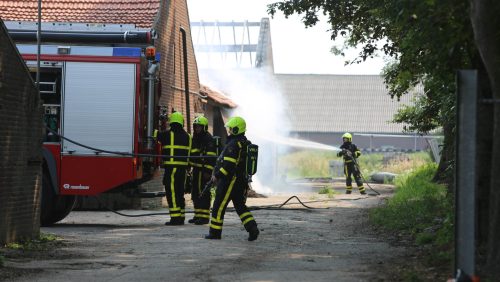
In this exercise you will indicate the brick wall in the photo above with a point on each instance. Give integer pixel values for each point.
(20, 146)
(172, 16)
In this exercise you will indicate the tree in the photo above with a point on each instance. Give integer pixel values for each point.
(429, 40)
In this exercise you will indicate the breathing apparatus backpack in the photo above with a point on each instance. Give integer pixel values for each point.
(252, 156)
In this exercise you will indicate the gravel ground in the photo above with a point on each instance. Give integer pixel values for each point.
(331, 243)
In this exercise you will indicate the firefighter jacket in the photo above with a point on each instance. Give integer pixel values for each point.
(232, 160)
(203, 145)
(175, 142)
(349, 147)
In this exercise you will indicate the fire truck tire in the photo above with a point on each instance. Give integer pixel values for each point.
(53, 207)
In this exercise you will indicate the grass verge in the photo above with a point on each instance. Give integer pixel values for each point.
(421, 210)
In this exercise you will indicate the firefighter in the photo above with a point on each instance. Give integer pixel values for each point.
(175, 142)
(350, 153)
(203, 145)
(231, 178)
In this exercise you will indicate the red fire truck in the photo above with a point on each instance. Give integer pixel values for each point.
(99, 86)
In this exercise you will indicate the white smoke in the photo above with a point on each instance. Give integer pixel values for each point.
(263, 106)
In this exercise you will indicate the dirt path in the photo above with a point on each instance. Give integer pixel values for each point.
(334, 244)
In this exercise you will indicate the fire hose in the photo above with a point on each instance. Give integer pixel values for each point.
(207, 187)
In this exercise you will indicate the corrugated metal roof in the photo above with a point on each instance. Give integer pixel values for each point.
(340, 103)
(138, 12)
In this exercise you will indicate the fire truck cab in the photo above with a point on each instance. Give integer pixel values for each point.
(99, 90)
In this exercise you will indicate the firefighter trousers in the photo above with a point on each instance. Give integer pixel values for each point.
(233, 189)
(174, 180)
(201, 204)
(350, 169)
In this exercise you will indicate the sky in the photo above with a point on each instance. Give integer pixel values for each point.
(296, 49)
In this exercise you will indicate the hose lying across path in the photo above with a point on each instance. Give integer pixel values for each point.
(252, 208)
(362, 176)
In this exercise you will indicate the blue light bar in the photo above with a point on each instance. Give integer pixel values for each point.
(126, 52)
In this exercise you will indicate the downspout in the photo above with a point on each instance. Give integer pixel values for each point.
(152, 69)
(186, 80)
(38, 46)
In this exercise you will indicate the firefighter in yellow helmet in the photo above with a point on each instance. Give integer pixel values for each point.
(175, 142)
(203, 145)
(350, 153)
(232, 182)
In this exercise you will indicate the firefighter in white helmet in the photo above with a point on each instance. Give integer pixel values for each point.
(350, 152)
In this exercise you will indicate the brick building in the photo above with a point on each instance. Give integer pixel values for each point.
(20, 146)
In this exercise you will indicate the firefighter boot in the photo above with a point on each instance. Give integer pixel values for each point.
(192, 220)
(253, 233)
(175, 221)
(214, 235)
(362, 190)
(348, 189)
(201, 221)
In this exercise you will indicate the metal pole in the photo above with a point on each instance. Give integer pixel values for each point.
(465, 177)
(38, 41)
(186, 80)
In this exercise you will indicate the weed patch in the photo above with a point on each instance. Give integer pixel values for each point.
(327, 191)
(35, 244)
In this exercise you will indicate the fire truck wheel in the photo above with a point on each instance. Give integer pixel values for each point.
(53, 207)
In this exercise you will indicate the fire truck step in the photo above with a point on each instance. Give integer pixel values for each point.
(155, 194)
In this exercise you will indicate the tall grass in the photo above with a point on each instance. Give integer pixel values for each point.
(306, 163)
(419, 207)
(315, 163)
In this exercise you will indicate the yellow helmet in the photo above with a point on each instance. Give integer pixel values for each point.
(201, 120)
(176, 117)
(348, 136)
(236, 125)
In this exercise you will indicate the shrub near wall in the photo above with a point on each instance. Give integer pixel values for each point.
(20, 146)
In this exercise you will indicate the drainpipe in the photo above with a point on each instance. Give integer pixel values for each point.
(186, 80)
(38, 41)
(152, 69)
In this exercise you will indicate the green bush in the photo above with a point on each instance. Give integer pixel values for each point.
(419, 207)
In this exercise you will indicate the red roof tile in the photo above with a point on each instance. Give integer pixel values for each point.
(138, 12)
(217, 97)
